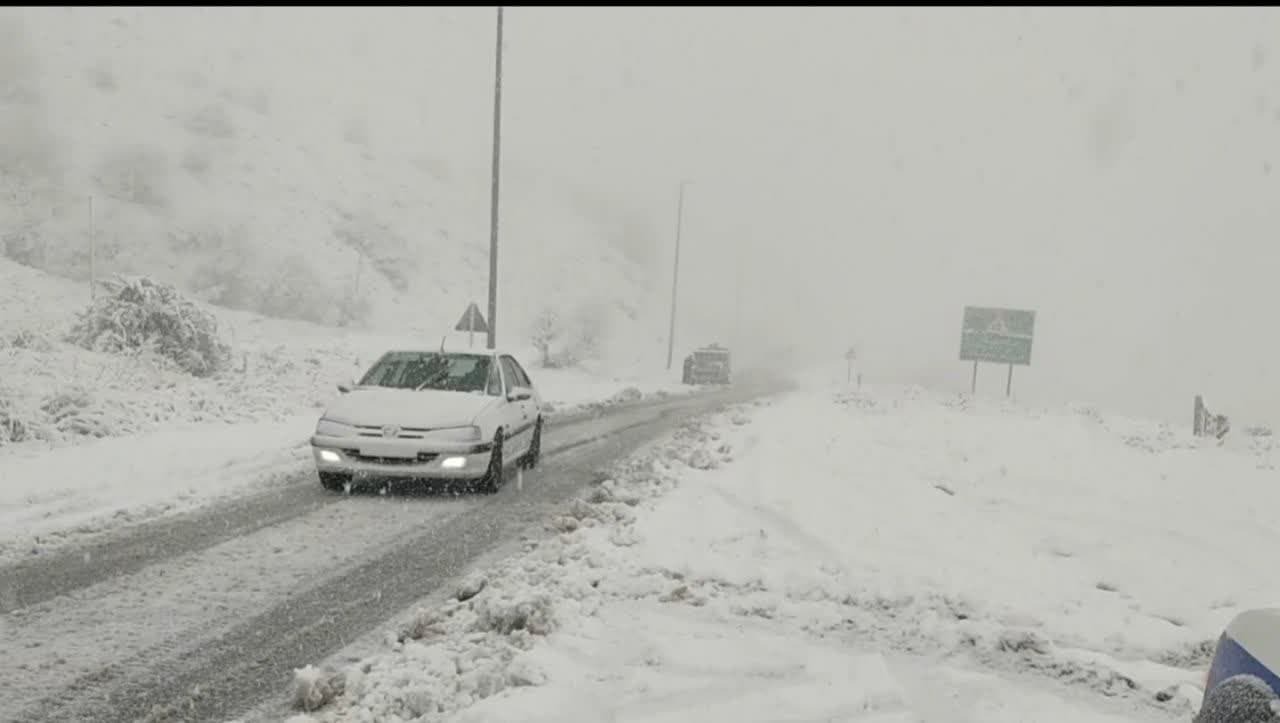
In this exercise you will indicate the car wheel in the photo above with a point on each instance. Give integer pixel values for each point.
(496, 474)
(534, 455)
(335, 481)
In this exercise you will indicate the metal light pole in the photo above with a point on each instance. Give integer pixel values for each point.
(493, 200)
(737, 304)
(675, 277)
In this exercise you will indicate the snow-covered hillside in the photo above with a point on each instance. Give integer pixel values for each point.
(324, 165)
(895, 555)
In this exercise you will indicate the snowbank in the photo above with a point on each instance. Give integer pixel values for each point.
(747, 568)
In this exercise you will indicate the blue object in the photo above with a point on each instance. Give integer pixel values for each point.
(1249, 646)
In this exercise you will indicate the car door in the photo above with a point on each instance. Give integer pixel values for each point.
(520, 410)
(535, 402)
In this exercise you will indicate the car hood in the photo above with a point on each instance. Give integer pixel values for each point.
(407, 408)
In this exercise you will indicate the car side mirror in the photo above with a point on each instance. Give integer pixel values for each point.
(519, 394)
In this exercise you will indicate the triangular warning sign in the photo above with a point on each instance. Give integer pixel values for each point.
(998, 326)
(472, 320)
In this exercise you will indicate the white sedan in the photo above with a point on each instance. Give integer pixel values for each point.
(432, 415)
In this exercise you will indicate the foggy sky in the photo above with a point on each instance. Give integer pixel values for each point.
(879, 169)
(875, 170)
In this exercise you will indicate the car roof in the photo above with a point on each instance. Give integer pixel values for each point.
(449, 351)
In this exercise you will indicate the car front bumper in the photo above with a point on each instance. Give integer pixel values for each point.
(409, 458)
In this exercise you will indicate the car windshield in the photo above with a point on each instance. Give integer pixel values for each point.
(430, 370)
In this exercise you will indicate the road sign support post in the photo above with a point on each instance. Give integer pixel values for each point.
(998, 336)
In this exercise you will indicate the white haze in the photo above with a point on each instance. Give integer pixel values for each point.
(875, 170)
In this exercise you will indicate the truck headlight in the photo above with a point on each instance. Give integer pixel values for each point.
(470, 433)
(330, 428)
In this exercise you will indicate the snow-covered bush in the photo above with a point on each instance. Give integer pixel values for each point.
(139, 313)
(565, 340)
(545, 330)
(16, 425)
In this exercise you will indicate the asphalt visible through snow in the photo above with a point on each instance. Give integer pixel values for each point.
(200, 616)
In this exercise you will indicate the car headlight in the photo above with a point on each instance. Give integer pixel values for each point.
(469, 433)
(330, 428)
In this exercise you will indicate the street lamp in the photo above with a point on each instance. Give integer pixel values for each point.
(493, 199)
(675, 277)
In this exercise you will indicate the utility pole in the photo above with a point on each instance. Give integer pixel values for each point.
(737, 305)
(93, 252)
(493, 200)
(675, 277)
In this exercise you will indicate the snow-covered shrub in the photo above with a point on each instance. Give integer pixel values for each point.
(139, 313)
(545, 330)
(16, 424)
(507, 610)
(314, 687)
(566, 339)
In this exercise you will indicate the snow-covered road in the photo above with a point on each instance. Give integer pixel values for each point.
(206, 611)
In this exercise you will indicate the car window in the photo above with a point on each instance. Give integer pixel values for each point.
(430, 370)
(521, 375)
(495, 382)
(507, 369)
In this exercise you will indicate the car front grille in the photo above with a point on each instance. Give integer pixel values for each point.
(405, 432)
(422, 457)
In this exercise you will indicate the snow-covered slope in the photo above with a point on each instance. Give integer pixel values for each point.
(325, 165)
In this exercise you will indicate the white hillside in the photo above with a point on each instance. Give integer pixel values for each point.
(274, 160)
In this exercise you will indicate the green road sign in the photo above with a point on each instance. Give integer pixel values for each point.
(1001, 336)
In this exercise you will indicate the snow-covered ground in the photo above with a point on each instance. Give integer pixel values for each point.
(885, 555)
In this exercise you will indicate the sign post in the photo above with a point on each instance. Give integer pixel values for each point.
(850, 357)
(999, 336)
(471, 322)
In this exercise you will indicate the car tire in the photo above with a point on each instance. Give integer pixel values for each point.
(534, 455)
(495, 475)
(335, 481)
